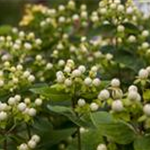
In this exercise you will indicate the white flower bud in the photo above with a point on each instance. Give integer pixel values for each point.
(132, 39)
(143, 74)
(67, 69)
(103, 95)
(61, 63)
(113, 6)
(146, 109)
(38, 102)
(82, 68)
(117, 106)
(21, 34)
(23, 147)
(96, 82)
(32, 144)
(3, 116)
(11, 101)
(35, 138)
(60, 78)
(132, 88)
(38, 41)
(81, 102)
(71, 4)
(115, 82)
(19, 67)
(28, 46)
(75, 17)
(68, 82)
(103, 11)
(61, 8)
(145, 45)
(61, 19)
(3, 106)
(17, 98)
(22, 106)
(120, 8)
(38, 57)
(109, 56)
(101, 147)
(31, 78)
(88, 81)
(49, 66)
(145, 33)
(132, 95)
(76, 73)
(120, 28)
(129, 10)
(94, 106)
(32, 112)
(26, 74)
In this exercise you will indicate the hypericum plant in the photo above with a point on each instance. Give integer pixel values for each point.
(71, 79)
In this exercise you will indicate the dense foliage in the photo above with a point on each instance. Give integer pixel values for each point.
(73, 79)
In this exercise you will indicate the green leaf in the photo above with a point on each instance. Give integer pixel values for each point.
(142, 143)
(101, 117)
(131, 28)
(83, 121)
(52, 93)
(89, 140)
(118, 131)
(52, 137)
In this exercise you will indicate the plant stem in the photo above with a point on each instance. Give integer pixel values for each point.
(28, 131)
(79, 138)
(78, 127)
(5, 144)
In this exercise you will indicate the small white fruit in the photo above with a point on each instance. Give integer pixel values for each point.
(35, 138)
(68, 82)
(32, 112)
(76, 73)
(3, 116)
(146, 109)
(38, 102)
(101, 147)
(143, 74)
(96, 82)
(120, 28)
(115, 82)
(145, 33)
(22, 106)
(23, 147)
(132, 88)
(32, 144)
(94, 106)
(104, 94)
(117, 106)
(88, 81)
(132, 95)
(81, 102)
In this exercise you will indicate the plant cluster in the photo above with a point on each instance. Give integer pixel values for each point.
(71, 79)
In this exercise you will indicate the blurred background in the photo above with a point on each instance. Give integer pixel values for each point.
(11, 10)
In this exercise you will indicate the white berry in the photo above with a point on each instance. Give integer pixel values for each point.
(94, 106)
(104, 94)
(146, 109)
(117, 106)
(81, 102)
